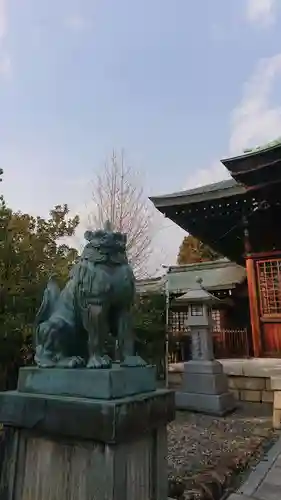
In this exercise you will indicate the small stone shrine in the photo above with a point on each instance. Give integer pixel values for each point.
(204, 387)
(81, 425)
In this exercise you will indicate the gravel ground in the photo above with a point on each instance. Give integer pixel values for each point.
(197, 442)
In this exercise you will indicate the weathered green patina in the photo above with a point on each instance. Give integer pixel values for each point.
(268, 145)
(117, 382)
(72, 326)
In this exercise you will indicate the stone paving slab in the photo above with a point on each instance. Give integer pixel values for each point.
(264, 482)
(267, 491)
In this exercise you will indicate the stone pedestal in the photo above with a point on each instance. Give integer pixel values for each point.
(118, 382)
(68, 447)
(205, 389)
(276, 388)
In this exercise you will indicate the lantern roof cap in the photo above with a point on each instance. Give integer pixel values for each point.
(198, 294)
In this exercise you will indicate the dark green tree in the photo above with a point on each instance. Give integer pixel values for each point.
(30, 252)
(150, 327)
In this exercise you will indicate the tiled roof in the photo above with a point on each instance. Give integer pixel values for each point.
(217, 275)
(150, 285)
(220, 189)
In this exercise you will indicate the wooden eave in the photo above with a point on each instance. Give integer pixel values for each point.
(215, 213)
(216, 191)
(219, 221)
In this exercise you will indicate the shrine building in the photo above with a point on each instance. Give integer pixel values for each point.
(241, 219)
(224, 279)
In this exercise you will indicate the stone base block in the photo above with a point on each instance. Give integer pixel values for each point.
(251, 396)
(64, 448)
(205, 388)
(267, 396)
(212, 404)
(275, 383)
(277, 400)
(205, 383)
(117, 382)
(276, 422)
(201, 366)
(105, 421)
(247, 383)
(38, 467)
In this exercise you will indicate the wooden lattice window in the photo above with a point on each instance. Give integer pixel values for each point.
(177, 322)
(269, 280)
(216, 315)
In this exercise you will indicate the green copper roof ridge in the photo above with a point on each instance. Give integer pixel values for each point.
(208, 264)
(248, 152)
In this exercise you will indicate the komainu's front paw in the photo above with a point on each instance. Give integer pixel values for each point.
(71, 362)
(44, 359)
(107, 362)
(97, 362)
(133, 361)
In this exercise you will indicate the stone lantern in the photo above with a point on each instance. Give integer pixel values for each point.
(205, 386)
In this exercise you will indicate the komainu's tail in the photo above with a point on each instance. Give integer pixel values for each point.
(50, 298)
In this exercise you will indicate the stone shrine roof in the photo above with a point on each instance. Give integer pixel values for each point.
(198, 294)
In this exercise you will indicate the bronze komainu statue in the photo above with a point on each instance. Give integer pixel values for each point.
(72, 326)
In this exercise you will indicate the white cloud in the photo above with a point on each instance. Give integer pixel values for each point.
(215, 173)
(254, 120)
(3, 19)
(76, 23)
(166, 245)
(261, 11)
(5, 59)
(5, 65)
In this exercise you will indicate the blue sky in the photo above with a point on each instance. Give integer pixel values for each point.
(178, 84)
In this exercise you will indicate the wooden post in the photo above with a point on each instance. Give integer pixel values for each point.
(252, 293)
(254, 306)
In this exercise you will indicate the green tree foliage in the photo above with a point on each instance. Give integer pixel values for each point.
(193, 250)
(149, 327)
(30, 252)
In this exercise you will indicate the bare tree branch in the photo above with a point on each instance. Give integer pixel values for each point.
(118, 196)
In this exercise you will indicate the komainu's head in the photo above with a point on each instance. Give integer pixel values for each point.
(105, 245)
